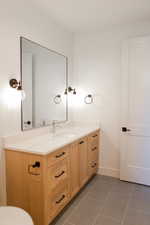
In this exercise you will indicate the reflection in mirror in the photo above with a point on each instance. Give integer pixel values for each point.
(44, 76)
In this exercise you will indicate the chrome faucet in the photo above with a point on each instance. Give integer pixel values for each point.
(55, 123)
(54, 126)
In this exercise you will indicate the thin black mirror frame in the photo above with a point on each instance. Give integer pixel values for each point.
(21, 50)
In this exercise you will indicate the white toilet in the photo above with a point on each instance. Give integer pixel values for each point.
(14, 216)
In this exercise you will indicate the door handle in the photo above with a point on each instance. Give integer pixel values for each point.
(27, 122)
(125, 129)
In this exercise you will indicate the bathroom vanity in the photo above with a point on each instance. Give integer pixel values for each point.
(46, 169)
(44, 173)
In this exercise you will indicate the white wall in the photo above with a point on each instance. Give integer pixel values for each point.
(20, 18)
(97, 70)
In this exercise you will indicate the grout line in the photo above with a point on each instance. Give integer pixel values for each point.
(74, 209)
(112, 218)
(69, 223)
(87, 194)
(82, 198)
(127, 207)
(102, 208)
(142, 211)
(122, 221)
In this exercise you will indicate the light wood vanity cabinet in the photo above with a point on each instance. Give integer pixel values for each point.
(74, 169)
(83, 161)
(43, 184)
(93, 153)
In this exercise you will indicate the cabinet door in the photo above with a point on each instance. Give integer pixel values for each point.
(24, 183)
(93, 153)
(83, 160)
(74, 165)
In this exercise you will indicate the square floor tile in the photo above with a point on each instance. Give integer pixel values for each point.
(134, 217)
(67, 223)
(122, 187)
(141, 200)
(104, 200)
(67, 211)
(101, 220)
(142, 188)
(115, 206)
(86, 212)
(99, 191)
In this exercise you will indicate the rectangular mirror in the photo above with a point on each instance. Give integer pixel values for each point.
(44, 80)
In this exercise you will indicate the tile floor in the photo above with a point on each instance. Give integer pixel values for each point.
(108, 201)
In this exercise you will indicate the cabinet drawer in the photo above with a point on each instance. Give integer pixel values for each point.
(58, 155)
(58, 173)
(92, 167)
(93, 153)
(93, 140)
(57, 200)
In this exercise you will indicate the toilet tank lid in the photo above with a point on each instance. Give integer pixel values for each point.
(14, 216)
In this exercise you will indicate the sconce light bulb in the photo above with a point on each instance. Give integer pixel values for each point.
(17, 85)
(19, 88)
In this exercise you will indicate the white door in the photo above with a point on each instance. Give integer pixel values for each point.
(135, 142)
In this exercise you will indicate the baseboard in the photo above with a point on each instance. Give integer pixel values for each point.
(109, 172)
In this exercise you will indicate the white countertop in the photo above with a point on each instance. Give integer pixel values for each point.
(48, 142)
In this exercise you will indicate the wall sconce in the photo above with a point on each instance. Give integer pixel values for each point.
(88, 99)
(17, 85)
(57, 99)
(70, 89)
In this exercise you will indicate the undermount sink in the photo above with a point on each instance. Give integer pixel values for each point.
(63, 134)
(70, 135)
